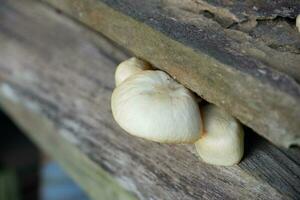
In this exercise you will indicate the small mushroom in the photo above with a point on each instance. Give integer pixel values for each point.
(128, 68)
(298, 22)
(222, 140)
(153, 106)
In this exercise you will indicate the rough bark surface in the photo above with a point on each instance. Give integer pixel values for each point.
(56, 79)
(229, 57)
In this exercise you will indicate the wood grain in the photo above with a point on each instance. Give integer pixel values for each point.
(56, 79)
(226, 66)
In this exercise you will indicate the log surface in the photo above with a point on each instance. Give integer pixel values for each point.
(240, 55)
(56, 79)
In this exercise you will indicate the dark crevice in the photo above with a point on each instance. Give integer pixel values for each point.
(233, 25)
(289, 20)
(208, 14)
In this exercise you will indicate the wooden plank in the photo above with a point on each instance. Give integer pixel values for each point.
(94, 180)
(52, 36)
(56, 80)
(252, 73)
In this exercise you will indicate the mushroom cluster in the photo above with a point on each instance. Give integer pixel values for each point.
(150, 104)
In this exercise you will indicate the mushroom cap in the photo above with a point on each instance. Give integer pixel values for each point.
(222, 141)
(298, 22)
(129, 67)
(153, 106)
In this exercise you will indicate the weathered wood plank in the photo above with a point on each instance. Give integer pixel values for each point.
(56, 80)
(233, 68)
(94, 180)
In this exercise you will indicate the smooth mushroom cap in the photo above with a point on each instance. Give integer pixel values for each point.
(222, 140)
(153, 106)
(129, 67)
(298, 22)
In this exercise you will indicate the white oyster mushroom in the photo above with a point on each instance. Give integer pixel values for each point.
(128, 68)
(153, 106)
(222, 140)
